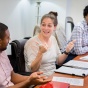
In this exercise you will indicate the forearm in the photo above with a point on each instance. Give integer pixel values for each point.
(24, 84)
(61, 59)
(17, 78)
(36, 63)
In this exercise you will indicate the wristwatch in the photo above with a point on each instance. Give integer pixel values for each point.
(67, 53)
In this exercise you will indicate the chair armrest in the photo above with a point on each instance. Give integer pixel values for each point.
(25, 73)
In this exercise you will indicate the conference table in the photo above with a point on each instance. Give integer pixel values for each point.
(70, 76)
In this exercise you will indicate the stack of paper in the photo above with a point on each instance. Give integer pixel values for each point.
(84, 58)
(72, 71)
(71, 81)
(77, 64)
(74, 67)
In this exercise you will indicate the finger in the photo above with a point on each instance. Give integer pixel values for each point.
(46, 46)
(73, 41)
(44, 77)
(39, 73)
(37, 77)
(48, 80)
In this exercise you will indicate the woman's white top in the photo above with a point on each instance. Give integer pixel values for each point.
(48, 59)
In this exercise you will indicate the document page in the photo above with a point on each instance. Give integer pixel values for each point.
(84, 58)
(71, 81)
(72, 71)
(76, 63)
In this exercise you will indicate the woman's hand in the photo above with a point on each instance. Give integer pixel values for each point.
(70, 45)
(43, 48)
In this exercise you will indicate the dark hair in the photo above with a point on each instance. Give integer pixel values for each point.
(55, 14)
(3, 28)
(85, 11)
(49, 16)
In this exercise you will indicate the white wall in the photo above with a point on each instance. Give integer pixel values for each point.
(45, 7)
(20, 15)
(15, 14)
(75, 10)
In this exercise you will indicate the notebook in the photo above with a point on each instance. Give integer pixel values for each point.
(55, 84)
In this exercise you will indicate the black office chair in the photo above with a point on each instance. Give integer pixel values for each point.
(18, 61)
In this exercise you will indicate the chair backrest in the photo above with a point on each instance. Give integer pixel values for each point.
(36, 30)
(61, 38)
(69, 20)
(17, 49)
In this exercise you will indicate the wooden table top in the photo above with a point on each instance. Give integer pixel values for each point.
(70, 76)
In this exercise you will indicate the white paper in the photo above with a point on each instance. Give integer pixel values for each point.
(71, 81)
(76, 63)
(72, 71)
(84, 58)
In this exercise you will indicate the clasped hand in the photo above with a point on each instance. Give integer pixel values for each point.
(43, 48)
(36, 78)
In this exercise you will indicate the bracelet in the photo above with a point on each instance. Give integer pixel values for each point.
(66, 53)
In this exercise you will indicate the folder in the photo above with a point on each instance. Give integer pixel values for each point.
(55, 84)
